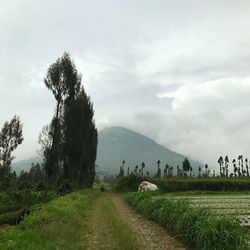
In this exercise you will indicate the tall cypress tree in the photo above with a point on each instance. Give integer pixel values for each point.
(55, 81)
(73, 132)
(82, 141)
(72, 136)
(186, 166)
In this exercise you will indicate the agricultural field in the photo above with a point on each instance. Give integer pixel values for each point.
(233, 204)
(203, 221)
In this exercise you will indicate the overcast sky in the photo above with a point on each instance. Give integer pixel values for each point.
(177, 71)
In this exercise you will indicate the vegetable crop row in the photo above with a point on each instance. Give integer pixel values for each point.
(200, 228)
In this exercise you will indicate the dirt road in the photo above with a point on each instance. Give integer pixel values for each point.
(114, 225)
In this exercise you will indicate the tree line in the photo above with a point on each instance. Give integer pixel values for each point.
(240, 166)
(68, 143)
(183, 171)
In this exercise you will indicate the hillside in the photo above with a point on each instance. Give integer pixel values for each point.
(117, 144)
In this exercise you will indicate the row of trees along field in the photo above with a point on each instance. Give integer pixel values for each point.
(183, 171)
(240, 169)
(68, 143)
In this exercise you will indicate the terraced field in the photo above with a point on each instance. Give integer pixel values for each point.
(235, 205)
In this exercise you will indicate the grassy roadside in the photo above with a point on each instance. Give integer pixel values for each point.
(198, 228)
(13, 204)
(59, 224)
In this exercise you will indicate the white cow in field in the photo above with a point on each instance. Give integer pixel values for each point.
(147, 186)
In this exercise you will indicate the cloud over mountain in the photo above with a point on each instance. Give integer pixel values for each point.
(177, 71)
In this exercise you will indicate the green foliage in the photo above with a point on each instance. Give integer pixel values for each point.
(10, 217)
(64, 188)
(23, 198)
(186, 165)
(131, 183)
(39, 186)
(81, 140)
(198, 228)
(69, 143)
(34, 175)
(128, 183)
(210, 184)
(57, 225)
(11, 136)
(221, 232)
(12, 204)
(25, 185)
(32, 180)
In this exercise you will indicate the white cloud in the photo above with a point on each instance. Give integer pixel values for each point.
(177, 71)
(207, 119)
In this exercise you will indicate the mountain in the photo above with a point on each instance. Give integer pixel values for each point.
(116, 144)
(25, 164)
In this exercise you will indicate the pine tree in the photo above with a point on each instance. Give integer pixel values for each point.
(158, 174)
(221, 162)
(128, 171)
(226, 165)
(166, 170)
(199, 169)
(142, 167)
(186, 165)
(56, 81)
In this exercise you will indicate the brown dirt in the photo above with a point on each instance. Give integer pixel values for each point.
(151, 235)
(100, 235)
(4, 226)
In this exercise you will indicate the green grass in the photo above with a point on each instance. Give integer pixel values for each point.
(59, 224)
(197, 227)
(120, 230)
(10, 217)
(107, 229)
(13, 203)
(234, 204)
(24, 198)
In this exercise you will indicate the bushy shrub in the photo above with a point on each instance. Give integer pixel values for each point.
(24, 198)
(25, 185)
(39, 186)
(64, 188)
(199, 228)
(220, 232)
(128, 183)
(53, 226)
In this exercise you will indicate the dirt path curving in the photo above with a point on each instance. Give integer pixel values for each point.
(151, 235)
